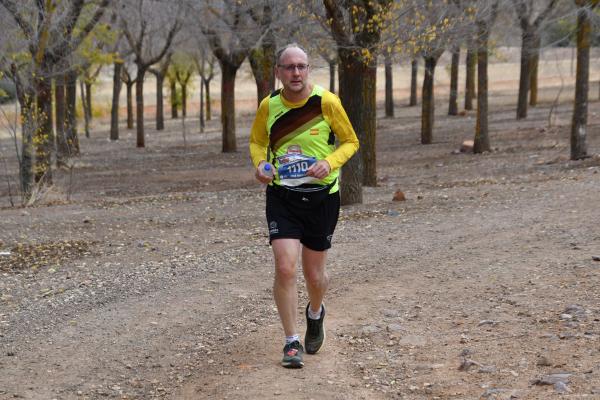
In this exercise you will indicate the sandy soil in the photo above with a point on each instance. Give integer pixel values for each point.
(147, 272)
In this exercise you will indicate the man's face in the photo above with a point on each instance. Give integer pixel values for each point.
(292, 70)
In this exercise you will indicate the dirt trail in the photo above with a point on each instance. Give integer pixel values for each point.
(402, 315)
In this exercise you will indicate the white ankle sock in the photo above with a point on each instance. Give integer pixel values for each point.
(290, 339)
(315, 315)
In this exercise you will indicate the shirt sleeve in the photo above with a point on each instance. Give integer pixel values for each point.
(259, 137)
(334, 113)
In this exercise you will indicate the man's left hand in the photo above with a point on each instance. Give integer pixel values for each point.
(319, 170)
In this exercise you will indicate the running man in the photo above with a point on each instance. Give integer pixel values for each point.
(294, 136)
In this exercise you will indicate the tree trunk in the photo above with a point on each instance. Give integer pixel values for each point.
(208, 103)
(62, 150)
(414, 69)
(71, 115)
(351, 191)
(139, 107)
(482, 139)
(88, 99)
(160, 114)
(174, 105)
(86, 112)
(579, 122)
(453, 102)
(524, 77)
(114, 109)
(357, 82)
(533, 70)
(184, 99)
(201, 105)
(183, 130)
(44, 134)
(228, 73)
(389, 87)
(262, 61)
(129, 86)
(332, 75)
(27, 132)
(428, 103)
(471, 63)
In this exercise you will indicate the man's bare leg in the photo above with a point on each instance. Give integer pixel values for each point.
(286, 252)
(317, 279)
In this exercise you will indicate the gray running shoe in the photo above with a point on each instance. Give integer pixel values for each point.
(315, 332)
(292, 355)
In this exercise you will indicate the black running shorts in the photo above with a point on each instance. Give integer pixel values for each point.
(313, 227)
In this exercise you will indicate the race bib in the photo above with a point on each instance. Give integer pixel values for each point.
(292, 169)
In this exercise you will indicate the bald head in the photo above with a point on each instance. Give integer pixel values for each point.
(292, 49)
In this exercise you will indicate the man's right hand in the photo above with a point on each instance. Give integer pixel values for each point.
(260, 176)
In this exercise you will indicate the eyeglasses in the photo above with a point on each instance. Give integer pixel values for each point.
(292, 67)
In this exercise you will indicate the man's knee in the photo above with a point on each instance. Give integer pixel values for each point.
(285, 271)
(316, 277)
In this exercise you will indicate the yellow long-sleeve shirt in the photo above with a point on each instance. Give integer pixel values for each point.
(333, 113)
